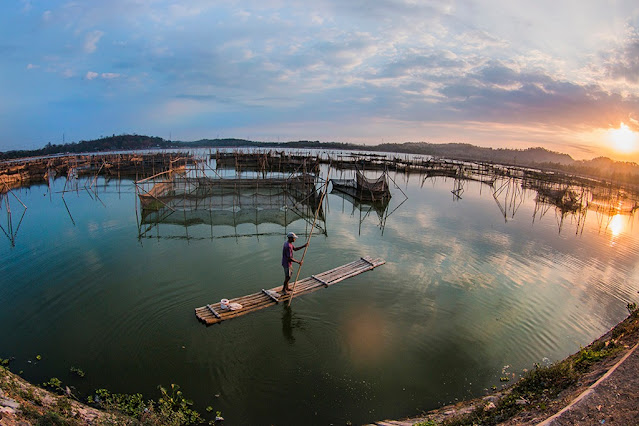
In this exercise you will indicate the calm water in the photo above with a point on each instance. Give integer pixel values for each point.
(464, 293)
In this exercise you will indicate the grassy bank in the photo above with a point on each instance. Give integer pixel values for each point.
(543, 391)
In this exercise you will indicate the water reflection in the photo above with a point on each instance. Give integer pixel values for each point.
(568, 201)
(616, 225)
(509, 196)
(574, 202)
(469, 287)
(8, 227)
(66, 206)
(370, 197)
(290, 322)
(365, 209)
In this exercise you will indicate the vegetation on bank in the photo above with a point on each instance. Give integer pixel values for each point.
(55, 404)
(540, 389)
(601, 168)
(139, 142)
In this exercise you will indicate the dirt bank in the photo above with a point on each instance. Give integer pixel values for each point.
(22, 403)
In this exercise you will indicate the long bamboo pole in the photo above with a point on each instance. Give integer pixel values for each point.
(310, 234)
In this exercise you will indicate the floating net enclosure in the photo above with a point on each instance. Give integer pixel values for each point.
(363, 188)
(267, 161)
(177, 199)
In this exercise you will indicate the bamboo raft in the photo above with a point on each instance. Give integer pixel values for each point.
(213, 313)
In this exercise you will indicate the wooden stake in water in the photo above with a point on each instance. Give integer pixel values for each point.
(308, 241)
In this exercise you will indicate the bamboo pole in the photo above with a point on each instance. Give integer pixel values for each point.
(152, 177)
(308, 241)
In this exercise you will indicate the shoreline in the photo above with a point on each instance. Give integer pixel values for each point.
(602, 357)
(24, 403)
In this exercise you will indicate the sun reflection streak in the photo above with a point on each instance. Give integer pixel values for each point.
(366, 337)
(616, 225)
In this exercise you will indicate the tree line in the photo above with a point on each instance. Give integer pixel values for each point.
(602, 168)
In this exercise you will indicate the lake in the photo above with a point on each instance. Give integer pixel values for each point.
(478, 284)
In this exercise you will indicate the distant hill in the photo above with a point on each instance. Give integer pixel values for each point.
(242, 143)
(111, 143)
(135, 142)
(534, 157)
(603, 167)
(451, 150)
(463, 151)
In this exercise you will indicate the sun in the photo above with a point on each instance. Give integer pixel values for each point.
(623, 139)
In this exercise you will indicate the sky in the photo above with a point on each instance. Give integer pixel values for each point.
(563, 75)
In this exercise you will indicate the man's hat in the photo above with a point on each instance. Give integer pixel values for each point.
(291, 235)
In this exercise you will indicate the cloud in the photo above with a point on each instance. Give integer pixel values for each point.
(411, 65)
(180, 11)
(475, 40)
(91, 41)
(392, 10)
(26, 5)
(92, 75)
(242, 15)
(426, 64)
(442, 87)
(347, 52)
(384, 73)
(623, 62)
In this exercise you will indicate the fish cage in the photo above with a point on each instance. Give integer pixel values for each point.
(235, 206)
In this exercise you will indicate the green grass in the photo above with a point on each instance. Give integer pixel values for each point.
(538, 388)
(587, 357)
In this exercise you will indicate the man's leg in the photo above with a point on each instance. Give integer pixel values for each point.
(287, 278)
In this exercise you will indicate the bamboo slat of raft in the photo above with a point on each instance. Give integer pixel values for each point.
(256, 301)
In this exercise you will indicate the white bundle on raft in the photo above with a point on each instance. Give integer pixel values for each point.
(227, 305)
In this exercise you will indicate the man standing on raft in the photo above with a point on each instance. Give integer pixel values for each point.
(287, 259)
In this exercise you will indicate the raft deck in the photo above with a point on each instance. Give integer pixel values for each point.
(213, 313)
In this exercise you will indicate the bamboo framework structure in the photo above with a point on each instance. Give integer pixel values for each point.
(25, 171)
(569, 196)
(179, 199)
(363, 188)
(267, 161)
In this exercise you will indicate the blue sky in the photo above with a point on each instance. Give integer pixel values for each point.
(557, 74)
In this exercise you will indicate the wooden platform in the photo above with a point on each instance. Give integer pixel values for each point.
(213, 313)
